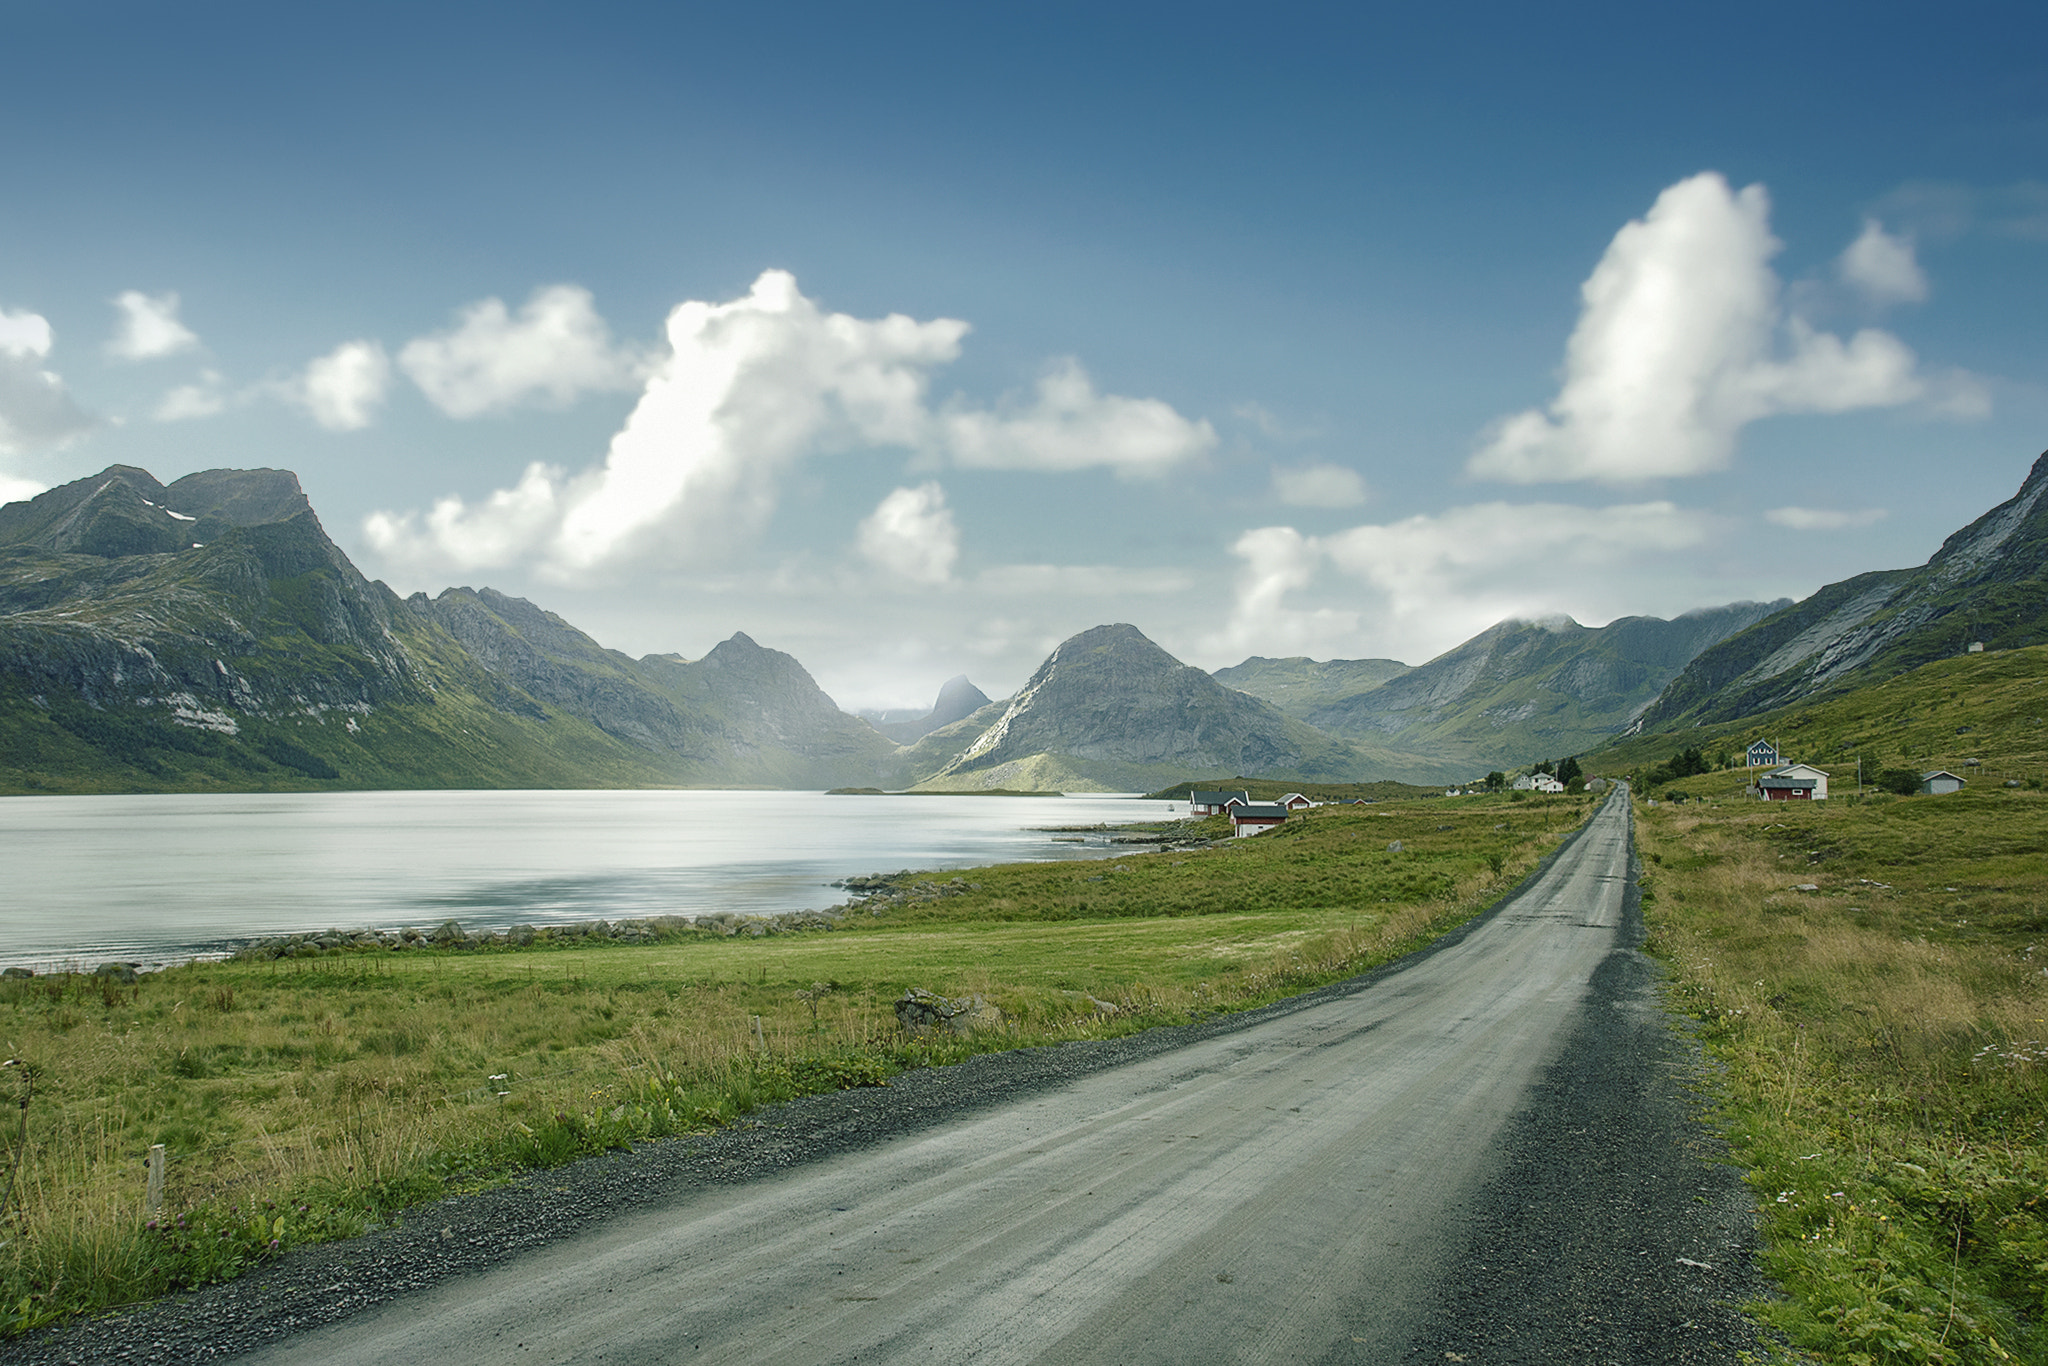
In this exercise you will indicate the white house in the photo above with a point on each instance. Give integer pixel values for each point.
(1252, 818)
(1818, 775)
(1941, 780)
(1543, 782)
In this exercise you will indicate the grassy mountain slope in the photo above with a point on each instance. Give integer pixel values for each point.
(1516, 692)
(1990, 707)
(1298, 685)
(1988, 582)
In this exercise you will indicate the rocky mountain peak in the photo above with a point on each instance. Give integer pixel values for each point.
(123, 510)
(1988, 583)
(1111, 707)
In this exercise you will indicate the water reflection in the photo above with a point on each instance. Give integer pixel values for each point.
(160, 878)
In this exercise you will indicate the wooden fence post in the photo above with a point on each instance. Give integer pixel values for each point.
(156, 1179)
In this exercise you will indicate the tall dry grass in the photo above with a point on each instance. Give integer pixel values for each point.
(1883, 1071)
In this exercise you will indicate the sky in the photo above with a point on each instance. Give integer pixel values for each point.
(914, 338)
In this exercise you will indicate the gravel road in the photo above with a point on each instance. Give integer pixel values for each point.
(1484, 1153)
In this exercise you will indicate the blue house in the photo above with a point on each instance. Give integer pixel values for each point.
(1763, 754)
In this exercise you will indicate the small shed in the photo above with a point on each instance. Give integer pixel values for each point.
(1762, 754)
(1210, 803)
(1254, 818)
(1941, 780)
(1776, 788)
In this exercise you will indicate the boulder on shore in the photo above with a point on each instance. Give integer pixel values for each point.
(919, 1010)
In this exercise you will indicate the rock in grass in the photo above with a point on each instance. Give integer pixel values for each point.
(120, 972)
(919, 1010)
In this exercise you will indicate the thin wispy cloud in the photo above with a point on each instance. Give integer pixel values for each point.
(1824, 519)
(1319, 486)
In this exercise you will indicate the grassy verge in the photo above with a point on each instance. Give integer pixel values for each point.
(310, 1098)
(1871, 975)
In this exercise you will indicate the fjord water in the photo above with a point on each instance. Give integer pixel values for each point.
(159, 878)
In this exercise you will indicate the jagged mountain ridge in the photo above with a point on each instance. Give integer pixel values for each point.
(119, 637)
(1988, 582)
(1516, 692)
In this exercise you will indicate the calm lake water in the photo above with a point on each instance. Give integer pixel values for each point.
(157, 879)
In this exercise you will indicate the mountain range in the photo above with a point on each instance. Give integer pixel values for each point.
(207, 634)
(1987, 586)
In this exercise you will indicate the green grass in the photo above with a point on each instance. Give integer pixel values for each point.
(306, 1099)
(1882, 1048)
(1991, 707)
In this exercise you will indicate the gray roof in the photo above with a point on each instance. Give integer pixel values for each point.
(1264, 811)
(1201, 798)
(1775, 781)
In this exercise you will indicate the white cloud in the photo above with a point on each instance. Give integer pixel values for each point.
(149, 327)
(554, 350)
(1432, 581)
(1883, 267)
(911, 534)
(14, 490)
(1278, 560)
(1319, 486)
(25, 336)
(36, 410)
(1824, 519)
(1271, 425)
(207, 398)
(1071, 427)
(1682, 341)
(343, 388)
(748, 389)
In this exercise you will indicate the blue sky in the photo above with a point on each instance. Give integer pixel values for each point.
(1274, 331)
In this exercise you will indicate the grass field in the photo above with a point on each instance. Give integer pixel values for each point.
(1991, 708)
(1872, 975)
(306, 1099)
